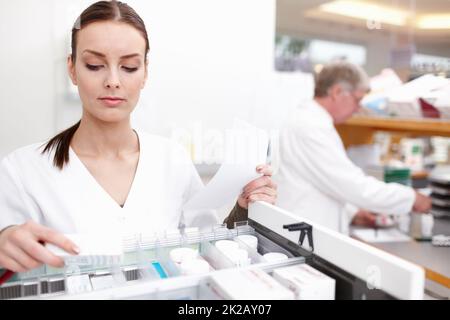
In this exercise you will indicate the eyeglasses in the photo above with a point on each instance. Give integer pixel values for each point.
(356, 99)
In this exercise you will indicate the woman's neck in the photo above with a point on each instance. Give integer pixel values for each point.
(94, 138)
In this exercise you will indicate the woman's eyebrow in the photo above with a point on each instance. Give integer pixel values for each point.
(101, 55)
(95, 53)
(132, 55)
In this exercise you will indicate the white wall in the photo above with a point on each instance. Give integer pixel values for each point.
(27, 74)
(210, 60)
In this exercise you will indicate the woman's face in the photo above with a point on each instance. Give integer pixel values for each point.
(109, 70)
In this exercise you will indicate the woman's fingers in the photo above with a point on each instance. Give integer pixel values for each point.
(258, 183)
(260, 189)
(23, 259)
(262, 197)
(26, 238)
(9, 264)
(51, 236)
(264, 169)
(38, 252)
(264, 190)
(21, 248)
(261, 194)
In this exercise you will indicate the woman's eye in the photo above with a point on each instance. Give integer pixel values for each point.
(93, 67)
(129, 69)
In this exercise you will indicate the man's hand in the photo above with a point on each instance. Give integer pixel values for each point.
(422, 203)
(365, 219)
(21, 249)
(261, 189)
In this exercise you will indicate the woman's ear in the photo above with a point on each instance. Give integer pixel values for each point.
(71, 70)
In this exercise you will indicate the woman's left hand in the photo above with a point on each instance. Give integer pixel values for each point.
(260, 189)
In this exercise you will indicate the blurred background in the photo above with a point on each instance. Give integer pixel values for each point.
(404, 46)
(214, 60)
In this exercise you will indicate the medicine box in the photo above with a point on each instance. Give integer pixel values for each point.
(248, 284)
(306, 282)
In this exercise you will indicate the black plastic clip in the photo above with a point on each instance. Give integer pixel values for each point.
(305, 229)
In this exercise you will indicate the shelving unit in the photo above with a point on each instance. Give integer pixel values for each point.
(360, 129)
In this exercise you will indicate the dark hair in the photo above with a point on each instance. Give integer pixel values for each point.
(99, 11)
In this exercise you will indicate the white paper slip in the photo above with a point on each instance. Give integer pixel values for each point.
(383, 235)
(99, 249)
(246, 147)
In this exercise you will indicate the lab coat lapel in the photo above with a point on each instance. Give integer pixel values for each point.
(97, 210)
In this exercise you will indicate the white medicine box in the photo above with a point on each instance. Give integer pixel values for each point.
(248, 284)
(306, 282)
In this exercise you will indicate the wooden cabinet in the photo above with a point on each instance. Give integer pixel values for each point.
(360, 129)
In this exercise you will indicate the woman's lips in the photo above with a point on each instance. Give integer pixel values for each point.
(111, 101)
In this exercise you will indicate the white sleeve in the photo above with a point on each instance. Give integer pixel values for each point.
(13, 199)
(331, 171)
(351, 211)
(194, 218)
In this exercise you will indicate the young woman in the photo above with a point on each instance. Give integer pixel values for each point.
(100, 174)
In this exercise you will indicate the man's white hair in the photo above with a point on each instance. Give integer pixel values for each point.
(350, 76)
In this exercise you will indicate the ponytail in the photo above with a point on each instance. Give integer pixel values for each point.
(61, 144)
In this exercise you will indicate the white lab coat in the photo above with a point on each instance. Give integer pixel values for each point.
(71, 200)
(317, 180)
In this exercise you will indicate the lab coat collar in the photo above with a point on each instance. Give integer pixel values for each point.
(321, 112)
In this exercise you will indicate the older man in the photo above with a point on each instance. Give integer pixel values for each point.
(316, 179)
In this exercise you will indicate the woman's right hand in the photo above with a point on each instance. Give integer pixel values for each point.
(21, 247)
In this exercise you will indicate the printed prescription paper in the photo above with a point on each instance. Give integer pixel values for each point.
(246, 147)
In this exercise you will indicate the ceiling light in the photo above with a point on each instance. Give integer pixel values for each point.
(434, 21)
(366, 11)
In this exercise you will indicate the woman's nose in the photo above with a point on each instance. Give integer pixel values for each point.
(112, 81)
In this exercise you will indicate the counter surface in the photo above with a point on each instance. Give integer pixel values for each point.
(435, 260)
